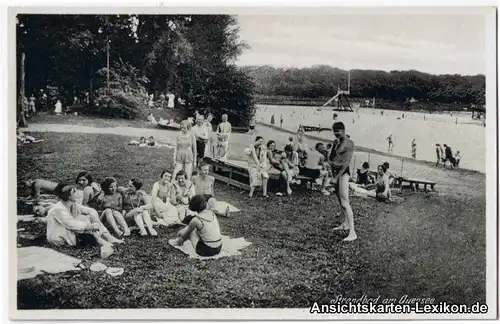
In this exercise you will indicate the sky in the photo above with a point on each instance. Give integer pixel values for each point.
(432, 43)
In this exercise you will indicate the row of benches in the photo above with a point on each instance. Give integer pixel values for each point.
(236, 173)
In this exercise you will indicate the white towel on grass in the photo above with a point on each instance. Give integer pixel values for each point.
(33, 260)
(230, 247)
(222, 205)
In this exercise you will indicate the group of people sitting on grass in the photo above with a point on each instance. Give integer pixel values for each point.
(377, 186)
(106, 211)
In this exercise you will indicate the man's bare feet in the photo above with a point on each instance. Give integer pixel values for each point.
(350, 237)
(153, 232)
(341, 227)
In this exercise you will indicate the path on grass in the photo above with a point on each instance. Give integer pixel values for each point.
(457, 182)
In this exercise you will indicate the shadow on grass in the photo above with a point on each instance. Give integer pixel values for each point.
(419, 248)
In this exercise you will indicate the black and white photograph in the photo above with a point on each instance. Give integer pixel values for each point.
(315, 163)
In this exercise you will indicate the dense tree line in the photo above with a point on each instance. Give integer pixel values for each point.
(191, 56)
(396, 86)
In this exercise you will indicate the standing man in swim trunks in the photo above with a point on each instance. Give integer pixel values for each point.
(340, 158)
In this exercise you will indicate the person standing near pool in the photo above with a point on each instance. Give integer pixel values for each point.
(391, 144)
(209, 145)
(223, 134)
(201, 135)
(340, 158)
(438, 154)
(185, 150)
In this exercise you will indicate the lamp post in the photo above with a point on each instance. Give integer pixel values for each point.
(107, 62)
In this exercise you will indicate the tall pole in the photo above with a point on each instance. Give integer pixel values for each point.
(107, 61)
(349, 83)
(22, 107)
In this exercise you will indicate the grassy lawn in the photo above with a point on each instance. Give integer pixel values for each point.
(428, 246)
(98, 121)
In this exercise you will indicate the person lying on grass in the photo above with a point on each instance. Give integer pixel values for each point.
(204, 185)
(203, 229)
(160, 198)
(181, 193)
(67, 219)
(112, 206)
(136, 206)
(141, 143)
(87, 189)
(26, 139)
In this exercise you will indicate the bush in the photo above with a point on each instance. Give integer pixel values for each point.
(118, 103)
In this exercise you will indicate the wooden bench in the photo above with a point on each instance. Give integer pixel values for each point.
(415, 183)
(235, 173)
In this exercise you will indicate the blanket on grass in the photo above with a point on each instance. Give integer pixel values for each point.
(34, 260)
(230, 247)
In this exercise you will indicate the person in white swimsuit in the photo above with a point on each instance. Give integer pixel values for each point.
(203, 230)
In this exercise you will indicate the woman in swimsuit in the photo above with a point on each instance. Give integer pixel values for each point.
(182, 192)
(290, 164)
(87, 189)
(160, 195)
(257, 166)
(136, 206)
(112, 206)
(382, 186)
(185, 151)
(272, 161)
(203, 230)
(340, 158)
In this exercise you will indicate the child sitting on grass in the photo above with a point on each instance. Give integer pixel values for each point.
(204, 185)
(112, 206)
(203, 230)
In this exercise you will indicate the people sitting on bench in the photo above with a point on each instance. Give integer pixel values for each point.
(272, 160)
(364, 177)
(315, 167)
(290, 163)
(257, 166)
